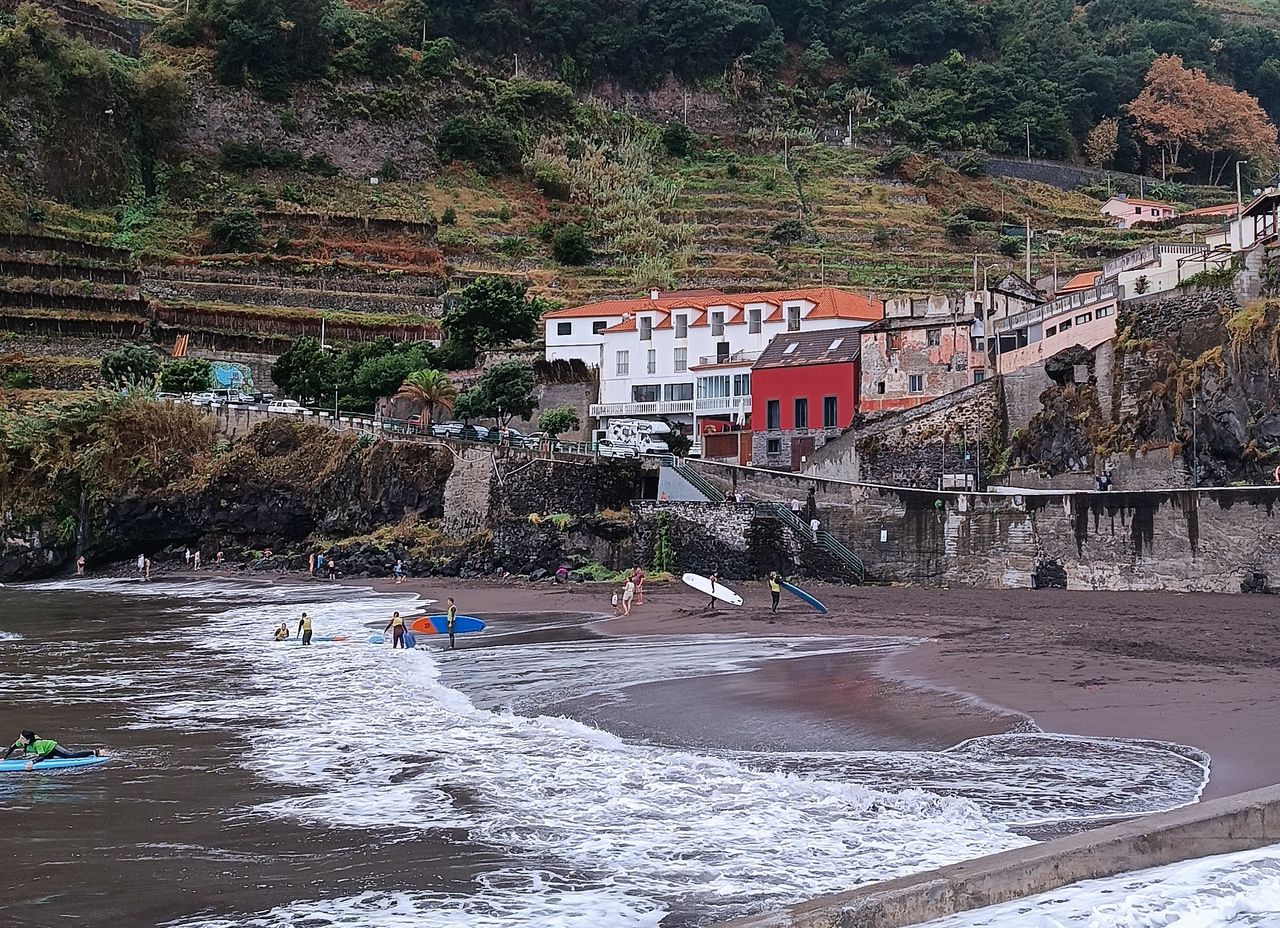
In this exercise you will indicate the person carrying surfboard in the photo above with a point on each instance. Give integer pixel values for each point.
(396, 627)
(304, 628)
(28, 743)
(451, 621)
(713, 577)
(775, 591)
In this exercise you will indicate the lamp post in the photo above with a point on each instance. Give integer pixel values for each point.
(1195, 444)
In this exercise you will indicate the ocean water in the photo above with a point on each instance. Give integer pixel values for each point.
(596, 830)
(1239, 890)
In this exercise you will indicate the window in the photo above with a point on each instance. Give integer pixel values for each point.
(802, 413)
(598, 326)
(677, 392)
(564, 328)
(624, 364)
(753, 321)
(979, 376)
(717, 324)
(793, 318)
(722, 352)
(646, 393)
(933, 337)
(652, 365)
(1064, 325)
(915, 383)
(830, 406)
(773, 414)
(682, 326)
(893, 341)
(773, 446)
(1104, 311)
(976, 345)
(646, 329)
(835, 343)
(713, 387)
(1082, 319)
(741, 384)
(1137, 211)
(880, 388)
(791, 349)
(1051, 331)
(682, 360)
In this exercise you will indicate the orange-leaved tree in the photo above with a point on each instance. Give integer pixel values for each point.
(1180, 108)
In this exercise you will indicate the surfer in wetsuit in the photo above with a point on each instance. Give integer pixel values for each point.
(282, 633)
(775, 590)
(450, 621)
(396, 627)
(715, 576)
(43, 748)
(304, 628)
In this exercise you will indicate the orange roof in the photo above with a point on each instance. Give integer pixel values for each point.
(1136, 201)
(1082, 281)
(1224, 209)
(829, 303)
(626, 325)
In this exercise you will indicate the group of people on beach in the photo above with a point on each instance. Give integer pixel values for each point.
(631, 594)
(396, 625)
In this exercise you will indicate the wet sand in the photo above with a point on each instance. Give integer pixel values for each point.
(1197, 669)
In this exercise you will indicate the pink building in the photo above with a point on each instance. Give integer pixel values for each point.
(1127, 212)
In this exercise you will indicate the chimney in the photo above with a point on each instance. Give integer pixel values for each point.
(653, 295)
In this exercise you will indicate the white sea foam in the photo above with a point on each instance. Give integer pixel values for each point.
(1239, 890)
(9, 636)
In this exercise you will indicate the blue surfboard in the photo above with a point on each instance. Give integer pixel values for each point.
(53, 763)
(439, 624)
(410, 639)
(801, 594)
(377, 639)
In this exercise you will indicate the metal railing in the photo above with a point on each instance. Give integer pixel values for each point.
(1101, 294)
(641, 409)
(825, 540)
(700, 483)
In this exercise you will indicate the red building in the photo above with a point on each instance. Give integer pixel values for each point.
(804, 392)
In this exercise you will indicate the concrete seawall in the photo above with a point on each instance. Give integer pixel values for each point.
(1235, 823)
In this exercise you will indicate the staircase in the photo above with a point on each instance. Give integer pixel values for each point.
(701, 483)
(851, 564)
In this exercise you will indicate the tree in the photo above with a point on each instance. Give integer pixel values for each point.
(305, 371)
(431, 390)
(679, 140)
(130, 366)
(502, 393)
(236, 230)
(558, 420)
(159, 100)
(1180, 108)
(569, 246)
(187, 375)
(1102, 142)
(489, 143)
(270, 42)
(492, 311)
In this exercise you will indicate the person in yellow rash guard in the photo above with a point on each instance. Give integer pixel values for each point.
(304, 628)
(775, 590)
(282, 632)
(43, 748)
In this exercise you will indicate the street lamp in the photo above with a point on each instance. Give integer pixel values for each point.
(1195, 444)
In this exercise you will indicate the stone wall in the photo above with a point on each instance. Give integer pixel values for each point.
(175, 291)
(1188, 320)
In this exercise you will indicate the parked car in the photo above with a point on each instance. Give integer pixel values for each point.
(447, 429)
(474, 432)
(240, 399)
(169, 397)
(612, 449)
(286, 407)
(203, 399)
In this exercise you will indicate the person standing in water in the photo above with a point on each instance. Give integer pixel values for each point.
(451, 621)
(80, 566)
(396, 627)
(43, 748)
(775, 591)
(304, 628)
(282, 633)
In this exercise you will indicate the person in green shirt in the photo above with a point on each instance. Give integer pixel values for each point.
(43, 748)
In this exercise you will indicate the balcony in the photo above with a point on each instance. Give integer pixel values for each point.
(738, 357)
(710, 405)
(663, 408)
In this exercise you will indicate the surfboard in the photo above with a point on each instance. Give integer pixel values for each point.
(410, 640)
(377, 639)
(437, 625)
(53, 763)
(802, 595)
(721, 592)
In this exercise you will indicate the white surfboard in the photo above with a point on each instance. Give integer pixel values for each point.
(720, 591)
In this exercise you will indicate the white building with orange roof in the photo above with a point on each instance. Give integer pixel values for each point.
(1127, 212)
(686, 356)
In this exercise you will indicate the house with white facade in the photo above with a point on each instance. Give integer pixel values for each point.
(1127, 212)
(686, 356)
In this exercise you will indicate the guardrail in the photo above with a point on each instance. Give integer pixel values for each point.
(824, 539)
(1094, 295)
(701, 483)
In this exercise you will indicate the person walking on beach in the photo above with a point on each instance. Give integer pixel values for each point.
(638, 577)
(304, 628)
(29, 743)
(80, 566)
(450, 621)
(615, 601)
(195, 560)
(332, 566)
(146, 568)
(398, 570)
(142, 566)
(186, 557)
(775, 591)
(628, 595)
(311, 564)
(396, 627)
(714, 578)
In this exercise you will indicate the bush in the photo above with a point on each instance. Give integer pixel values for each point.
(972, 164)
(880, 236)
(515, 247)
(791, 232)
(569, 246)
(892, 160)
(733, 170)
(236, 230)
(19, 380)
(552, 180)
(437, 58)
(389, 170)
(558, 420)
(1010, 247)
(489, 143)
(187, 375)
(130, 366)
(679, 140)
(545, 100)
(449, 216)
(958, 227)
(289, 121)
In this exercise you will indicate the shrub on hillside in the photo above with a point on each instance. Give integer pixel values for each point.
(488, 143)
(130, 366)
(958, 227)
(570, 246)
(972, 164)
(186, 375)
(236, 230)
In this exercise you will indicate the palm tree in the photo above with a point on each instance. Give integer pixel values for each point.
(431, 390)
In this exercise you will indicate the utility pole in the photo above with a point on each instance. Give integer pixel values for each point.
(686, 107)
(1195, 444)
(1028, 234)
(1239, 208)
(850, 141)
(1028, 139)
(517, 74)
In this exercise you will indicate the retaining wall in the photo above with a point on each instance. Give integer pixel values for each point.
(1235, 823)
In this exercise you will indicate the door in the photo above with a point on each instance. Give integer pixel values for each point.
(801, 447)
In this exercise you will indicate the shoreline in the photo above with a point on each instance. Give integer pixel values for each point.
(1192, 669)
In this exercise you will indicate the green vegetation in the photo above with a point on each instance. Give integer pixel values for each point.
(236, 230)
(489, 312)
(131, 366)
(431, 391)
(569, 246)
(187, 375)
(558, 420)
(503, 392)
